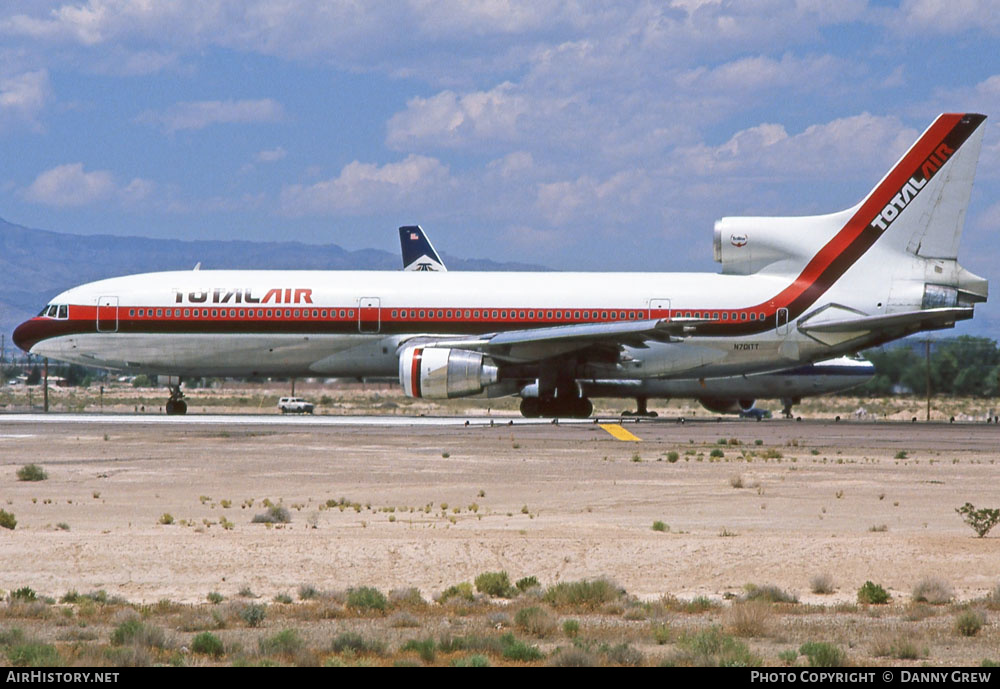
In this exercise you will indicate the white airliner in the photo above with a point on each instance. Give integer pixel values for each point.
(727, 395)
(792, 291)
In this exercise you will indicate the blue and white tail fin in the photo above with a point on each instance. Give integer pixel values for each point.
(418, 253)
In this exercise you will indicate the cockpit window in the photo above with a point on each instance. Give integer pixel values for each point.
(55, 311)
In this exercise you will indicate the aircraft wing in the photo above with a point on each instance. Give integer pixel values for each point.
(542, 343)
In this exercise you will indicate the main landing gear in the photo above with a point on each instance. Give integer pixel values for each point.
(641, 409)
(176, 404)
(787, 402)
(550, 407)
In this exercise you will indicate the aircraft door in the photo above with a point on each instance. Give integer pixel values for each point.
(107, 314)
(782, 321)
(369, 315)
(659, 308)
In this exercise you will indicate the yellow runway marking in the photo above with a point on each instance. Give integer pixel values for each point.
(620, 433)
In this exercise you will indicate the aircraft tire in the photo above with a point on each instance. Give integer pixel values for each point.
(531, 407)
(176, 407)
(582, 408)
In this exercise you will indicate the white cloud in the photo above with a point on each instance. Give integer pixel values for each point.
(448, 119)
(513, 164)
(69, 185)
(618, 196)
(866, 142)
(201, 114)
(24, 96)
(366, 187)
(946, 16)
(754, 73)
(271, 155)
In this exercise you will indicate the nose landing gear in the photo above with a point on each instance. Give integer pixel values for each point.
(176, 404)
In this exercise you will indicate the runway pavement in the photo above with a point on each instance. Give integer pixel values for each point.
(845, 434)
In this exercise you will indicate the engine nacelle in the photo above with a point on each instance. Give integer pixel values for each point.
(726, 406)
(746, 245)
(440, 372)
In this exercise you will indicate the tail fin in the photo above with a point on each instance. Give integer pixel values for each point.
(418, 253)
(920, 205)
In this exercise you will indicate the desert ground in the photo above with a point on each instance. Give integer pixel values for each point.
(157, 516)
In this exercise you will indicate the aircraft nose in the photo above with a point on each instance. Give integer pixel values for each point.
(30, 333)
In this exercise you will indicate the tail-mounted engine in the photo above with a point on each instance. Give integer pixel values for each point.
(440, 373)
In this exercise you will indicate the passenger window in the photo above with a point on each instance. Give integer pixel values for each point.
(131, 312)
(743, 316)
(467, 312)
(187, 313)
(350, 313)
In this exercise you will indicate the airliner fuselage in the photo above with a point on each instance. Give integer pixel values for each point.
(792, 291)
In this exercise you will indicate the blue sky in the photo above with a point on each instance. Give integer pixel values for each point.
(578, 135)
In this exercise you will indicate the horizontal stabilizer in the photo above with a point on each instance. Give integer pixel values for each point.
(927, 319)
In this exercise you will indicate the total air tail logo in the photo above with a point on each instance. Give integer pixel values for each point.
(220, 295)
(909, 191)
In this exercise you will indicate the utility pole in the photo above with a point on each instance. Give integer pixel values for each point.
(45, 384)
(927, 368)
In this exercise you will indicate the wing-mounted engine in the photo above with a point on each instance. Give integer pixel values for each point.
(747, 245)
(727, 406)
(443, 372)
